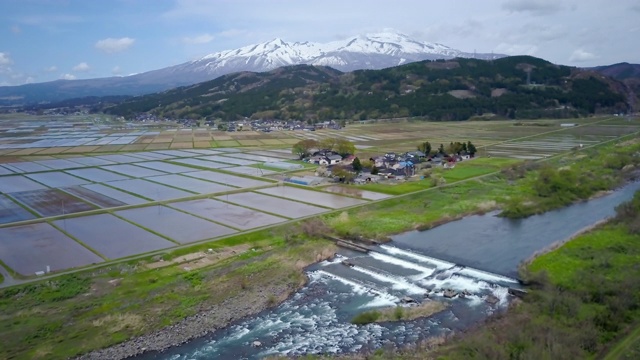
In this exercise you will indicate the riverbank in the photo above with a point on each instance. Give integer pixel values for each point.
(558, 244)
(253, 300)
(199, 325)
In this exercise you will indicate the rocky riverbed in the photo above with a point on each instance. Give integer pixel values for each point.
(201, 324)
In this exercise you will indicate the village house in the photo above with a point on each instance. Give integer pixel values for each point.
(330, 160)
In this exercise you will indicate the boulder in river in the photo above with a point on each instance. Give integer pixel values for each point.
(256, 344)
(450, 293)
(407, 300)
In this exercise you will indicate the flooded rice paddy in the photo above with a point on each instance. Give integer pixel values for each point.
(133, 170)
(30, 248)
(112, 236)
(203, 163)
(72, 185)
(97, 175)
(149, 190)
(193, 184)
(227, 214)
(174, 224)
(313, 197)
(5, 171)
(230, 160)
(166, 167)
(93, 197)
(18, 183)
(227, 179)
(12, 212)
(116, 194)
(58, 164)
(51, 202)
(57, 179)
(271, 204)
(356, 192)
(251, 171)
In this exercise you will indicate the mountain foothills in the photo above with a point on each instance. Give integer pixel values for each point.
(627, 73)
(372, 51)
(455, 89)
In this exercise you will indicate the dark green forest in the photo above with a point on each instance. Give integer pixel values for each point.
(459, 89)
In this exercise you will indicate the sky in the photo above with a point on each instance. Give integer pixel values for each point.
(45, 40)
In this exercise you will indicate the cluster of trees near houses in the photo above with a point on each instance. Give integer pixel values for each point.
(457, 148)
(347, 171)
(341, 146)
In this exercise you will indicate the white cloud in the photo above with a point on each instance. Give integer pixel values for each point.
(29, 80)
(83, 66)
(111, 45)
(51, 68)
(15, 29)
(200, 39)
(5, 60)
(116, 70)
(535, 7)
(516, 49)
(67, 77)
(580, 55)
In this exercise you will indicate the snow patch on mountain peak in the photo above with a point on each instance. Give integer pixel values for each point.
(369, 51)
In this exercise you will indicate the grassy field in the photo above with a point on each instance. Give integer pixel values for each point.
(465, 172)
(565, 264)
(413, 212)
(400, 187)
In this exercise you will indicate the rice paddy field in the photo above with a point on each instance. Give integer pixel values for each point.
(78, 191)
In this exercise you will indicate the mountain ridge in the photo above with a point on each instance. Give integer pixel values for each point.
(370, 51)
(456, 89)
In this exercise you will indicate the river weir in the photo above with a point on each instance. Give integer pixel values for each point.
(469, 264)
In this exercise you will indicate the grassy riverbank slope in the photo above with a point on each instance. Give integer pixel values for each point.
(97, 308)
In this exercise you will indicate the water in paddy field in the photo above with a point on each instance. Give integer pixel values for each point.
(316, 320)
(477, 255)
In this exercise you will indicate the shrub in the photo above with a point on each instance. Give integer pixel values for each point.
(193, 278)
(314, 227)
(398, 313)
(366, 317)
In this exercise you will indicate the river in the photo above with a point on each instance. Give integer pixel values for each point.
(477, 255)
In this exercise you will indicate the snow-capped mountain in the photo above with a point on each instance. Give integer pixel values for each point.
(372, 51)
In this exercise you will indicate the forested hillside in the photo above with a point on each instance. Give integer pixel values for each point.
(458, 89)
